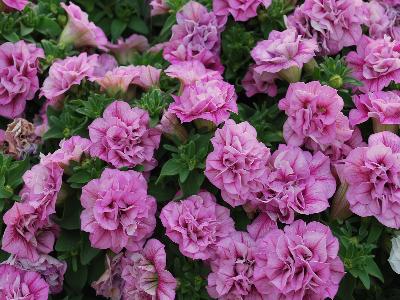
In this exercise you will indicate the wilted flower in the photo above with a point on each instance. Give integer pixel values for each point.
(394, 259)
(376, 63)
(333, 24)
(79, 31)
(123, 137)
(373, 176)
(19, 65)
(63, 74)
(238, 164)
(197, 224)
(299, 262)
(118, 213)
(196, 36)
(145, 274)
(263, 83)
(16, 283)
(20, 139)
(241, 10)
(211, 100)
(125, 50)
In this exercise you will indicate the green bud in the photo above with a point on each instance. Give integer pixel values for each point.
(336, 81)
(62, 20)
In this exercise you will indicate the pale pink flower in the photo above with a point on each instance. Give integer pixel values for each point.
(211, 100)
(123, 137)
(259, 83)
(333, 24)
(118, 213)
(196, 36)
(26, 235)
(145, 274)
(298, 183)
(314, 113)
(189, 72)
(117, 81)
(79, 31)
(376, 63)
(19, 82)
(232, 269)
(63, 74)
(197, 224)
(51, 269)
(16, 283)
(299, 262)
(147, 77)
(241, 10)
(125, 50)
(372, 174)
(15, 4)
(159, 7)
(382, 106)
(282, 51)
(238, 164)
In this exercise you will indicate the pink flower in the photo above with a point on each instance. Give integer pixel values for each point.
(15, 4)
(71, 149)
(263, 83)
(159, 7)
(123, 137)
(189, 72)
(372, 174)
(299, 262)
(79, 31)
(383, 106)
(147, 77)
(26, 235)
(110, 284)
(118, 80)
(238, 164)
(211, 100)
(19, 65)
(197, 224)
(241, 10)
(333, 24)
(196, 36)
(52, 270)
(282, 51)
(105, 63)
(42, 184)
(376, 63)
(232, 269)
(260, 226)
(314, 113)
(63, 74)
(118, 213)
(125, 50)
(145, 274)
(19, 284)
(299, 182)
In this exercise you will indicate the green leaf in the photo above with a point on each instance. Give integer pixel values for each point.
(14, 174)
(366, 281)
(117, 27)
(48, 26)
(11, 37)
(26, 30)
(76, 280)
(71, 214)
(80, 177)
(87, 253)
(138, 25)
(5, 193)
(170, 168)
(192, 184)
(168, 25)
(373, 269)
(68, 240)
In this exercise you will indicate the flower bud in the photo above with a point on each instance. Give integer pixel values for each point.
(336, 81)
(291, 75)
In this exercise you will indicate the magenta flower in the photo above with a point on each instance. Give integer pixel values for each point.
(283, 50)
(241, 10)
(14, 4)
(42, 184)
(376, 63)
(196, 36)
(19, 284)
(372, 174)
(299, 262)
(51, 269)
(259, 83)
(159, 7)
(19, 82)
(63, 74)
(211, 100)
(197, 224)
(314, 113)
(382, 106)
(145, 274)
(189, 72)
(238, 164)
(26, 235)
(232, 269)
(123, 137)
(299, 182)
(118, 213)
(125, 50)
(260, 226)
(110, 284)
(333, 24)
(79, 31)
